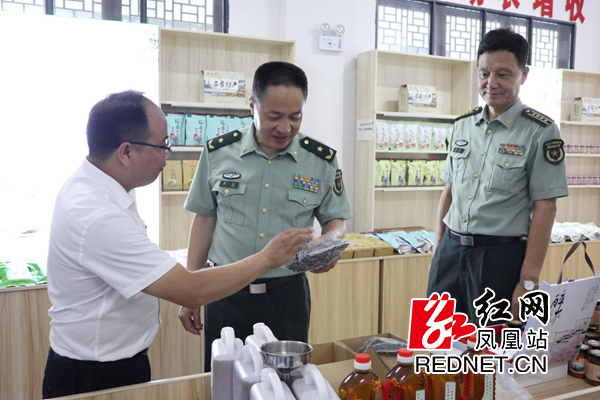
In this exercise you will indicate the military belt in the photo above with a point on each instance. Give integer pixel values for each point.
(480, 240)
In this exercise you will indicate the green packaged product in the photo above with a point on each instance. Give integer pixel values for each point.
(440, 133)
(410, 135)
(175, 128)
(383, 135)
(396, 136)
(398, 173)
(195, 129)
(382, 172)
(214, 127)
(425, 134)
(431, 173)
(440, 166)
(415, 172)
(17, 274)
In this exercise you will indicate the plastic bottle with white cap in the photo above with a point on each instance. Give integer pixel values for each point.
(262, 334)
(402, 382)
(362, 383)
(246, 372)
(270, 387)
(225, 351)
(477, 386)
(312, 385)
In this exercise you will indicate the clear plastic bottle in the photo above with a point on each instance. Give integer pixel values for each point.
(402, 383)
(477, 386)
(362, 383)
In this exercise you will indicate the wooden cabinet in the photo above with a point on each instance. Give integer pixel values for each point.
(380, 75)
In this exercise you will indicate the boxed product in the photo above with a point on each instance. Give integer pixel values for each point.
(410, 135)
(415, 98)
(440, 133)
(586, 109)
(382, 172)
(224, 87)
(189, 169)
(381, 248)
(383, 135)
(396, 135)
(361, 250)
(424, 136)
(195, 129)
(398, 173)
(172, 176)
(175, 128)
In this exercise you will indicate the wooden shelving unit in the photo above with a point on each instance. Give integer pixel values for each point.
(380, 75)
(183, 56)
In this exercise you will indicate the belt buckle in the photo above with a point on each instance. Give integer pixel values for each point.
(259, 288)
(466, 240)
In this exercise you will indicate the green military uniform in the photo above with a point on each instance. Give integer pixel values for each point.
(497, 169)
(254, 198)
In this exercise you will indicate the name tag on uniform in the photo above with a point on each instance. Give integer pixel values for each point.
(229, 184)
(511, 149)
(308, 183)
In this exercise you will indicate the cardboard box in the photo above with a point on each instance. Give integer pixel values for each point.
(331, 352)
(586, 109)
(224, 87)
(361, 250)
(416, 98)
(381, 248)
(189, 169)
(172, 176)
(347, 254)
(354, 344)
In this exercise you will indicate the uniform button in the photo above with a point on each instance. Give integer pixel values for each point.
(235, 134)
(507, 165)
(456, 155)
(270, 162)
(264, 210)
(470, 197)
(262, 236)
(464, 220)
(304, 201)
(226, 191)
(489, 131)
(476, 176)
(482, 154)
(267, 186)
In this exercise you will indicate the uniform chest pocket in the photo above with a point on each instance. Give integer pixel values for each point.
(459, 164)
(230, 203)
(300, 206)
(509, 175)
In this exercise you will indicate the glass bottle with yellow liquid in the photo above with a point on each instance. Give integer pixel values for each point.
(362, 384)
(477, 386)
(443, 386)
(402, 382)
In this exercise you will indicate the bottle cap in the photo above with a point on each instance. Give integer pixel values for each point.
(362, 362)
(405, 356)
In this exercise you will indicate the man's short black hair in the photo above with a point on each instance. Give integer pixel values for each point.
(119, 117)
(505, 39)
(278, 73)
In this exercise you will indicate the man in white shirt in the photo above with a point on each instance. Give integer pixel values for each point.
(105, 277)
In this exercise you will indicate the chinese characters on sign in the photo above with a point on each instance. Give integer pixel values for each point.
(575, 7)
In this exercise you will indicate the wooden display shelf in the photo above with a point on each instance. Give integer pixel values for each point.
(205, 106)
(411, 152)
(187, 149)
(580, 123)
(391, 114)
(409, 189)
(174, 192)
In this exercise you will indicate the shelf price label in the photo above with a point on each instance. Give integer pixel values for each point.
(365, 129)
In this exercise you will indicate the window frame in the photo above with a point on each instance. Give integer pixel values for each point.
(484, 12)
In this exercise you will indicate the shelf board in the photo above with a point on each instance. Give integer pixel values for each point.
(174, 193)
(587, 155)
(399, 152)
(579, 123)
(410, 189)
(205, 106)
(187, 149)
(584, 186)
(391, 114)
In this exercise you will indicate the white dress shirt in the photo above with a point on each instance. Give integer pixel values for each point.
(99, 260)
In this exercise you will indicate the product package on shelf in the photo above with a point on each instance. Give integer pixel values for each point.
(383, 135)
(224, 87)
(20, 274)
(415, 172)
(216, 125)
(175, 128)
(574, 231)
(440, 135)
(189, 169)
(415, 98)
(398, 172)
(195, 129)
(410, 135)
(586, 109)
(440, 165)
(382, 172)
(172, 176)
(424, 136)
(430, 173)
(396, 136)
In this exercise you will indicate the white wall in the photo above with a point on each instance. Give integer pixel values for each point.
(331, 109)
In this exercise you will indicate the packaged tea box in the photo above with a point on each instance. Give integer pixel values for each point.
(425, 135)
(415, 172)
(396, 135)
(189, 169)
(398, 173)
(410, 135)
(416, 98)
(172, 176)
(430, 173)
(382, 172)
(175, 126)
(246, 121)
(586, 109)
(214, 127)
(440, 133)
(383, 135)
(233, 122)
(195, 129)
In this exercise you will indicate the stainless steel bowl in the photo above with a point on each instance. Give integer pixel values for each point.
(285, 356)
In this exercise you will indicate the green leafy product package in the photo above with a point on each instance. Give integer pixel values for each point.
(431, 174)
(410, 135)
(396, 136)
(425, 135)
(20, 274)
(440, 167)
(415, 172)
(383, 135)
(398, 173)
(440, 133)
(382, 173)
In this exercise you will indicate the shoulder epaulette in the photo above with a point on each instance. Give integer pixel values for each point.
(538, 117)
(317, 148)
(223, 140)
(474, 111)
